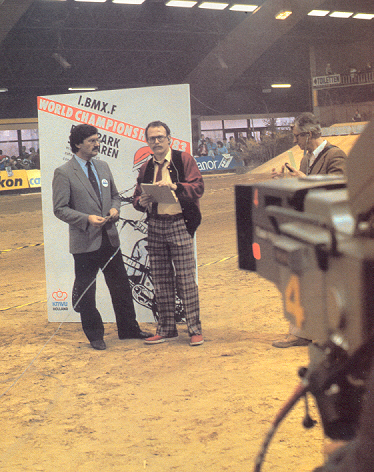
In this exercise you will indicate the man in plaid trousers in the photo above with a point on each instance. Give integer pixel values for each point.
(171, 229)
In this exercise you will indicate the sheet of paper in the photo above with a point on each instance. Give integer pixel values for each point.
(292, 159)
(160, 194)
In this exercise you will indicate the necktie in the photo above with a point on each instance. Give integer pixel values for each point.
(93, 180)
(159, 170)
(160, 165)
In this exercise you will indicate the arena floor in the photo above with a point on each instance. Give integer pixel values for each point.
(65, 407)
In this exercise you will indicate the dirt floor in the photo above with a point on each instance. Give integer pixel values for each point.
(65, 407)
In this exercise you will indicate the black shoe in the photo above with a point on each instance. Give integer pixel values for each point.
(291, 341)
(99, 345)
(139, 335)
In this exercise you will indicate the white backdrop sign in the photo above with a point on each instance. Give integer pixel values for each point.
(121, 117)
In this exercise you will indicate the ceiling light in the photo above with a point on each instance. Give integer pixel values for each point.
(129, 2)
(318, 12)
(82, 89)
(213, 5)
(341, 14)
(283, 14)
(280, 85)
(96, 1)
(3, 89)
(181, 3)
(364, 16)
(243, 7)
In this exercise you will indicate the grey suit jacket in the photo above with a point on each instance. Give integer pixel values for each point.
(74, 199)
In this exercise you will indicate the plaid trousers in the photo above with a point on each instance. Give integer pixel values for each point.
(172, 263)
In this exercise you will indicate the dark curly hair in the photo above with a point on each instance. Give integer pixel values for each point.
(79, 133)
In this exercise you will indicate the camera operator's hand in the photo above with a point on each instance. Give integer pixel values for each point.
(330, 447)
(344, 459)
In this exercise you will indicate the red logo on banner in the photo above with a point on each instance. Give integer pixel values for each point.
(59, 296)
(142, 154)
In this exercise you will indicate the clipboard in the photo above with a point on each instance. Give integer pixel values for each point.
(160, 194)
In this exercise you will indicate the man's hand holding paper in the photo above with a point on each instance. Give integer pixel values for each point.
(165, 183)
(160, 192)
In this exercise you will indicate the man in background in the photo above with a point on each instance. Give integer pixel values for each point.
(320, 157)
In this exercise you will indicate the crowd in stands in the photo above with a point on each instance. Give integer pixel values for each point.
(26, 160)
(246, 150)
(222, 148)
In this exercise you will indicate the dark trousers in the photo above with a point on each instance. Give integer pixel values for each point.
(86, 267)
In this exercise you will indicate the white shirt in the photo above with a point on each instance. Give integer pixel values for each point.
(83, 164)
(313, 156)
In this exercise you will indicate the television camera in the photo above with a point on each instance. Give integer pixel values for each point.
(314, 238)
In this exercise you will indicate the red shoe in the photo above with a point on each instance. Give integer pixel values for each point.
(155, 340)
(196, 340)
(158, 339)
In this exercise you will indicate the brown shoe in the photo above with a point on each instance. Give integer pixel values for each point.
(291, 341)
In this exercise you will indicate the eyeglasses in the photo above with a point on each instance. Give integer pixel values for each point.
(153, 139)
(299, 134)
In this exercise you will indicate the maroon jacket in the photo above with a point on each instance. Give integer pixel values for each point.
(190, 186)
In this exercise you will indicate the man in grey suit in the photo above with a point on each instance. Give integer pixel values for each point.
(85, 196)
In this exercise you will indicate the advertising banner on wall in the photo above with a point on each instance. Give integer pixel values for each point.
(33, 177)
(14, 180)
(214, 164)
(121, 117)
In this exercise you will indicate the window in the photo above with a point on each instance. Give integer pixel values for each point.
(234, 124)
(13, 141)
(210, 125)
(9, 142)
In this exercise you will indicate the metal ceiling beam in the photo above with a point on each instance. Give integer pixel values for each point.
(10, 12)
(243, 46)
